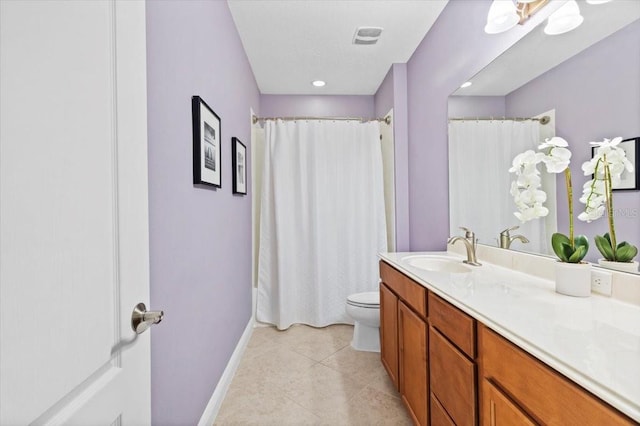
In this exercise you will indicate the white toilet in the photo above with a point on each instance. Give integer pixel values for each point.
(364, 308)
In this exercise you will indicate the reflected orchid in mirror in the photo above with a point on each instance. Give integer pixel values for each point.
(607, 165)
(529, 198)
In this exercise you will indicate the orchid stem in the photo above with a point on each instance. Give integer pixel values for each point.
(567, 180)
(608, 190)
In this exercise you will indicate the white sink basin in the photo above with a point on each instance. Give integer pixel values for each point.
(437, 264)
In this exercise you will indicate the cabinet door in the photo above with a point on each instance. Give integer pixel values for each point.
(499, 410)
(389, 332)
(439, 416)
(412, 332)
(544, 393)
(452, 379)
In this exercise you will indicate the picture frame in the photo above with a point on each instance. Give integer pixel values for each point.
(207, 156)
(239, 161)
(630, 181)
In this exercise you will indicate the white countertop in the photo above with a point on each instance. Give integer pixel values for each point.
(595, 341)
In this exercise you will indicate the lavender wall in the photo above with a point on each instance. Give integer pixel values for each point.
(477, 106)
(320, 105)
(392, 93)
(383, 99)
(596, 96)
(453, 50)
(200, 239)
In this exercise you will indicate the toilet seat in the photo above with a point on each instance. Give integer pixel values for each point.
(367, 300)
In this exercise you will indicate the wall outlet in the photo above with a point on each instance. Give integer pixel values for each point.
(601, 282)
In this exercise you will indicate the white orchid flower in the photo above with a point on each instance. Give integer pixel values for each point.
(597, 186)
(557, 160)
(589, 167)
(592, 201)
(527, 180)
(533, 212)
(554, 142)
(607, 143)
(597, 191)
(533, 196)
(525, 162)
(592, 214)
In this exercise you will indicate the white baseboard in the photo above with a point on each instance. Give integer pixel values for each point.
(213, 407)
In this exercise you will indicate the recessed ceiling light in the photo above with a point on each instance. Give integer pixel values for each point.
(318, 83)
(467, 84)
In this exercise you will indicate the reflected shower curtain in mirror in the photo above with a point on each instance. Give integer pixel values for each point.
(480, 155)
(322, 220)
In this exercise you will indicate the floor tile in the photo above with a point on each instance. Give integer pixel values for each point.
(371, 407)
(310, 376)
(321, 389)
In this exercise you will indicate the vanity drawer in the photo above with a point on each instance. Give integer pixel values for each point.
(457, 326)
(544, 394)
(452, 379)
(407, 289)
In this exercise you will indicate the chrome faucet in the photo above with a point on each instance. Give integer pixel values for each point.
(506, 239)
(470, 243)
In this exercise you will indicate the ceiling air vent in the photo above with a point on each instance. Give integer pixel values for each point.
(367, 35)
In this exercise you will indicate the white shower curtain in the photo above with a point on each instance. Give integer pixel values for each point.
(322, 221)
(480, 155)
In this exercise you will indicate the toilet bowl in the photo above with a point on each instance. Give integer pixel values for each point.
(364, 308)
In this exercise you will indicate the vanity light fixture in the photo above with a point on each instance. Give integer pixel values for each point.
(466, 84)
(565, 19)
(318, 83)
(506, 14)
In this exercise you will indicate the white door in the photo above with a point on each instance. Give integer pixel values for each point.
(73, 213)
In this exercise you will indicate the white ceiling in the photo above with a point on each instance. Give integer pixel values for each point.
(290, 43)
(537, 52)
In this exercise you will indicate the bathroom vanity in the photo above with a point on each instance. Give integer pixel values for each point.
(493, 346)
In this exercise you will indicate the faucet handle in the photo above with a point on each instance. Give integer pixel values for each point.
(468, 233)
(506, 231)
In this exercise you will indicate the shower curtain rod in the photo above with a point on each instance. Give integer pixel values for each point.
(255, 119)
(543, 120)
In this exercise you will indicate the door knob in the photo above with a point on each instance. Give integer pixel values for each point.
(141, 319)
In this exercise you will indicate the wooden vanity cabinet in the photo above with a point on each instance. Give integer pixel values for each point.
(517, 386)
(412, 333)
(452, 368)
(403, 339)
(389, 332)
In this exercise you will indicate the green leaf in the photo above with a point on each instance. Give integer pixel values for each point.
(579, 254)
(608, 238)
(581, 241)
(604, 246)
(567, 252)
(626, 253)
(558, 241)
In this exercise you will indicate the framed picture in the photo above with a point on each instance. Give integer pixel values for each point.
(206, 144)
(630, 181)
(239, 161)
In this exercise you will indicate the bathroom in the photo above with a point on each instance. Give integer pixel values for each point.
(200, 240)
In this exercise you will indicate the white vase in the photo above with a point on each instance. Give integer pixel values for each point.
(573, 279)
(619, 266)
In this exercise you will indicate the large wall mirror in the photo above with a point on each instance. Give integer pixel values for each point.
(586, 85)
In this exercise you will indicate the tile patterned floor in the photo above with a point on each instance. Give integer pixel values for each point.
(310, 376)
